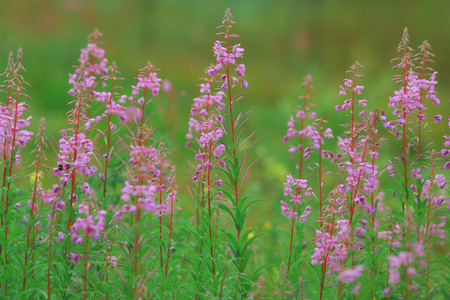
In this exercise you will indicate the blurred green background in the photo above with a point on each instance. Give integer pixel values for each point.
(283, 41)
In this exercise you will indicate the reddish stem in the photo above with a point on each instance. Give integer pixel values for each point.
(108, 139)
(353, 133)
(160, 215)
(324, 264)
(77, 125)
(428, 220)
(404, 156)
(372, 200)
(85, 268)
(223, 279)
(136, 239)
(352, 207)
(49, 262)
(320, 175)
(419, 146)
(32, 208)
(90, 73)
(107, 258)
(292, 233)
(209, 186)
(302, 127)
(324, 269)
(389, 262)
(300, 169)
(143, 112)
(170, 227)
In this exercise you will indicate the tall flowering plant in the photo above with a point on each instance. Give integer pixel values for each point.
(307, 138)
(230, 76)
(13, 137)
(204, 138)
(149, 193)
(75, 148)
(420, 172)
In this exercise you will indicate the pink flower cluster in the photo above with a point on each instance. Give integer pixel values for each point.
(307, 131)
(12, 124)
(74, 156)
(114, 102)
(148, 81)
(87, 225)
(142, 159)
(205, 125)
(389, 236)
(446, 150)
(331, 249)
(407, 101)
(435, 230)
(361, 173)
(139, 196)
(350, 87)
(50, 196)
(351, 275)
(226, 58)
(297, 189)
(94, 63)
(404, 259)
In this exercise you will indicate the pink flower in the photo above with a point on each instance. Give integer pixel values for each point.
(416, 173)
(301, 183)
(205, 88)
(328, 133)
(357, 89)
(240, 70)
(411, 271)
(394, 276)
(112, 259)
(440, 181)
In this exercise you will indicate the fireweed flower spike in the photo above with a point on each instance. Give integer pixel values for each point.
(332, 239)
(230, 72)
(145, 90)
(404, 102)
(75, 148)
(423, 58)
(361, 175)
(139, 191)
(95, 67)
(50, 201)
(307, 139)
(141, 168)
(41, 158)
(296, 190)
(113, 107)
(13, 136)
(355, 144)
(205, 128)
(91, 228)
(146, 181)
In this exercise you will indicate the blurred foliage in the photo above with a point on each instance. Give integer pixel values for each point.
(283, 40)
